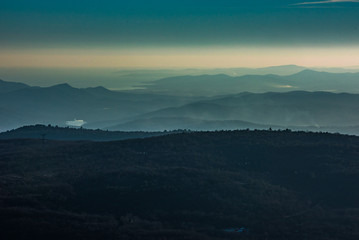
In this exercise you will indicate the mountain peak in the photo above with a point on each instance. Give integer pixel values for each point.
(306, 71)
(98, 88)
(62, 86)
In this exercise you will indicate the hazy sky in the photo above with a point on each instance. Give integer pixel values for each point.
(186, 33)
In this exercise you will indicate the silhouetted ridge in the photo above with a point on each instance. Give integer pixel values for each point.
(11, 86)
(61, 103)
(98, 88)
(211, 85)
(62, 86)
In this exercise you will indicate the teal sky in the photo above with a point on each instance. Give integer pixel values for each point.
(88, 24)
(186, 33)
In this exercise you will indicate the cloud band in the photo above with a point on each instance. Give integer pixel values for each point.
(329, 1)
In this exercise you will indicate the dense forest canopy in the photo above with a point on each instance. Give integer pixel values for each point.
(203, 185)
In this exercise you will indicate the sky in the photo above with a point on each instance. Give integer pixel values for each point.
(175, 34)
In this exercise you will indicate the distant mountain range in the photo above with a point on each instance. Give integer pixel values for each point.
(129, 79)
(176, 103)
(173, 123)
(24, 105)
(315, 111)
(291, 108)
(221, 84)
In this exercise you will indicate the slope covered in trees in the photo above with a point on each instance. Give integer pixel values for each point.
(73, 134)
(272, 184)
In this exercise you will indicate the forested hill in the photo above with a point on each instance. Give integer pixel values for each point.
(74, 134)
(204, 185)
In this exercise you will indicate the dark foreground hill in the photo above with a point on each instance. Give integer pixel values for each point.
(269, 184)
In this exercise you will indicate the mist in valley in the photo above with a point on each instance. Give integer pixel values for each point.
(173, 120)
(305, 100)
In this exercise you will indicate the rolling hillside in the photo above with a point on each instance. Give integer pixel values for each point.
(60, 103)
(221, 84)
(271, 184)
(295, 110)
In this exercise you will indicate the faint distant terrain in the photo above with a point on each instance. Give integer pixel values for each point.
(222, 84)
(122, 79)
(301, 109)
(130, 79)
(61, 103)
(303, 100)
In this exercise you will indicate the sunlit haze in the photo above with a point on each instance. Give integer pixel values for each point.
(182, 57)
(177, 34)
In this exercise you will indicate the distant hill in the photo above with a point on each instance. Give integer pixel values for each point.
(221, 84)
(270, 184)
(73, 134)
(320, 111)
(60, 103)
(125, 78)
(11, 86)
(206, 102)
(173, 123)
